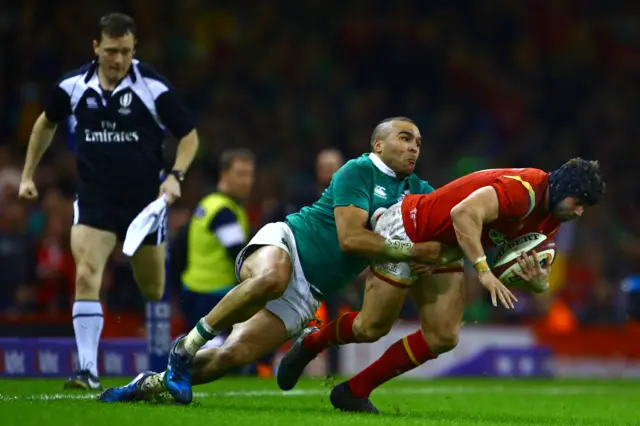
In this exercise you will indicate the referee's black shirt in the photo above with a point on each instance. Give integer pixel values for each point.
(119, 134)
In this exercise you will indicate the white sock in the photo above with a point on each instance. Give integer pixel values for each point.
(87, 325)
(197, 337)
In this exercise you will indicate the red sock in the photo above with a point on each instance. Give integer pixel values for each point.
(404, 355)
(334, 333)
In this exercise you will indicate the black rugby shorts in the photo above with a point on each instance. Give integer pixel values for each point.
(112, 217)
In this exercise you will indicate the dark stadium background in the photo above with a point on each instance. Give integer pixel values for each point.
(492, 83)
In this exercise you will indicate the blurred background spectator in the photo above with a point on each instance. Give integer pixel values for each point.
(493, 83)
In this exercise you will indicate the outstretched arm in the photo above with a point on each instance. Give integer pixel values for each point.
(354, 237)
(469, 216)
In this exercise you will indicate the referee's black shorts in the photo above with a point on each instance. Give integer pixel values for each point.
(114, 217)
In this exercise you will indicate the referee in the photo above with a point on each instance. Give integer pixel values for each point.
(120, 108)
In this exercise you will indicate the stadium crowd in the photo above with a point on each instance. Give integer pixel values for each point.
(491, 84)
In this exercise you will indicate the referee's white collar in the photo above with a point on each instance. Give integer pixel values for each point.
(381, 166)
(93, 81)
(93, 71)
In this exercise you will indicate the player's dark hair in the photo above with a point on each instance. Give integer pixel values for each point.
(576, 178)
(380, 131)
(229, 156)
(116, 25)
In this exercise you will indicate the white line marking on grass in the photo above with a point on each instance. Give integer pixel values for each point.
(533, 390)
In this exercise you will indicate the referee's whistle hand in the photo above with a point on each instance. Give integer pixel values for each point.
(27, 190)
(171, 188)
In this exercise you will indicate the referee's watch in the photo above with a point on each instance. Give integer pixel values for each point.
(179, 174)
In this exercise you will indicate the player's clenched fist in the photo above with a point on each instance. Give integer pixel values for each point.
(27, 190)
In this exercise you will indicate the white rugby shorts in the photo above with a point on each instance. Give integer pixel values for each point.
(297, 306)
(390, 225)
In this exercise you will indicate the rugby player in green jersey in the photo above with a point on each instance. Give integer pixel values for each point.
(289, 267)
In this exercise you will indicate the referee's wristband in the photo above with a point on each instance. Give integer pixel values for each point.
(397, 249)
(481, 264)
(178, 174)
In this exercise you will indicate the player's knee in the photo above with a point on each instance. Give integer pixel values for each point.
(266, 273)
(151, 285)
(87, 279)
(153, 293)
(273, 283)
(372, 334)
(442, 339)
(272, 280)
(372, 330)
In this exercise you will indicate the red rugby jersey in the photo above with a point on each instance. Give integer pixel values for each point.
(521, 193)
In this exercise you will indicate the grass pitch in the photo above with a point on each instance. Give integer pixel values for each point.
(255, 402)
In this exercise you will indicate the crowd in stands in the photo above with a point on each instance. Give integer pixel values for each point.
(494, 83)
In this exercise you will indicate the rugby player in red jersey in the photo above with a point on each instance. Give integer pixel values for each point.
(473, 212)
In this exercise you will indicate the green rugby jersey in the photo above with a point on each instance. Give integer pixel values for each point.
(365, 182)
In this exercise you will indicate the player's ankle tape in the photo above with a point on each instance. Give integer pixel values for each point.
(205, 331)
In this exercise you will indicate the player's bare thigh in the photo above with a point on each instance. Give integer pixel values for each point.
(91, 249)
(380, 309)
(440, 299)
(386, 288)
(148, 264)
(269, 263)
(249, 341)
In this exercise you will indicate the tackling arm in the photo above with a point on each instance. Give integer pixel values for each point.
(468, 218)
(353, 235)
(355, 238)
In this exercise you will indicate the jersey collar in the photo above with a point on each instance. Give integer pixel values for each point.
(91, 78)
(381, 166)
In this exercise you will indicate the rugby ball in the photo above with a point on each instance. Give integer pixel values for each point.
(505, 260)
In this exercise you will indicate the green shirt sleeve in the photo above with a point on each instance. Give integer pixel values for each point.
(352, 185)
(425, 188)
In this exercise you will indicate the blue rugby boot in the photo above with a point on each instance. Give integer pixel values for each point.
(127, 393)
(177, 379)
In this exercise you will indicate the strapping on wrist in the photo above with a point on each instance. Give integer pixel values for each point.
(481, 264)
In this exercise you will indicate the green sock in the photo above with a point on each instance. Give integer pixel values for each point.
(198, 336)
